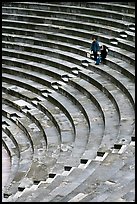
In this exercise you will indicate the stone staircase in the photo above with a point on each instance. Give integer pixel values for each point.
(68, 124)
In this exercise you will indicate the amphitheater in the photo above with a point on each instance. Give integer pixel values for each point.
(68, 125)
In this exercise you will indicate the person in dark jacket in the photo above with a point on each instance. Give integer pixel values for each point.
(103, 52)
(95, 47)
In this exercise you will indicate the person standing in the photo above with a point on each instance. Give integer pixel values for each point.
(95, 47)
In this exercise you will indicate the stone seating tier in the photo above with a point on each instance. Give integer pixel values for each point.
(84, 29)
(114, 80)
(112, 62)
(113, 50)
(68, 124)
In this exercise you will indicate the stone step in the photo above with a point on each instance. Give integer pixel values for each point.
(118, 79)
(71, 9)
(121, 41)
(104, 16)
(119, 65)
(77, 117)
(13, 155)
(125, 117)
(54, 114)
(113, 50)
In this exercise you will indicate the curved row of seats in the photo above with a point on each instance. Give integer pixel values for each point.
(68, 122)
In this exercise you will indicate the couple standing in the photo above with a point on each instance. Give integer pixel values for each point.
(96, 49)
